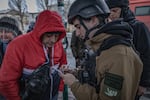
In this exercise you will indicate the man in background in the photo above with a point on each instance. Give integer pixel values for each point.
(141, 37)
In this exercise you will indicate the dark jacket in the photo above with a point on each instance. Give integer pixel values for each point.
(141, 40)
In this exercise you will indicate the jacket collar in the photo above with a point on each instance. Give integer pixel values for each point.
(95, 42)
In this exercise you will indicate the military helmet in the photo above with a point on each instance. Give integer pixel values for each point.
(87, 9)
(117, 3)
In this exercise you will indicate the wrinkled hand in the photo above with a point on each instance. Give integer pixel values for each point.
(141, 90)
(66, 69)
(68, 78)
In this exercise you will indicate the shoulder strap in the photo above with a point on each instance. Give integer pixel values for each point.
(112, 41)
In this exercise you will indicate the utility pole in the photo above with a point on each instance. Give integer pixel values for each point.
(20, 7)
(61, 9)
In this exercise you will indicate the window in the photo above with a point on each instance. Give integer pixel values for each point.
(143, 10)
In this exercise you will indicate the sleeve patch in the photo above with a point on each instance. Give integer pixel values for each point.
(113, 81)
(111, 92)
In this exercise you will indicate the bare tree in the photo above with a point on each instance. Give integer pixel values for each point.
(20, 8)
(67, 5)
(46, 3)
(42, 4)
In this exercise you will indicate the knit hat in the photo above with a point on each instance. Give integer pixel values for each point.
(9, 24)
(117, 3)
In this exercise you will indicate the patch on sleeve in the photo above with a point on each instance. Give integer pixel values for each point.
(111, 92)
(112, 84)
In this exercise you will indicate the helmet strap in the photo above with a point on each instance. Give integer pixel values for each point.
(124, 11)
(88, 31)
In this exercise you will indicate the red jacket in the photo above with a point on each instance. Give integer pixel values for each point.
(25, 53)
(58, 54)
(58, 58)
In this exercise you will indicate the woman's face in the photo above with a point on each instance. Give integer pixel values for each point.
(6, 36)
(115, 13)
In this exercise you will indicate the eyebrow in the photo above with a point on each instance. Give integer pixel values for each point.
(77, 25)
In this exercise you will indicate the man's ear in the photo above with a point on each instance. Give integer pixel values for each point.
(94, 20)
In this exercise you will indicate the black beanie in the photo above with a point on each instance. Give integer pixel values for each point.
(9, 24)
(117, 3)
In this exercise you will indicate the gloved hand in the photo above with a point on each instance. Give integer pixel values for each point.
(68, 78)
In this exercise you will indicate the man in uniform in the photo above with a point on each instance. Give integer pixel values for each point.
(116, 72)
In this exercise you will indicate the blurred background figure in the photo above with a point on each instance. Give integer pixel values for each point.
(65, 43)
(9, 29)
(120, 9)
(31, 26)
(77, 47)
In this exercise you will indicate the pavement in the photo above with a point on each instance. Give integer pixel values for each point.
(70, 58)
